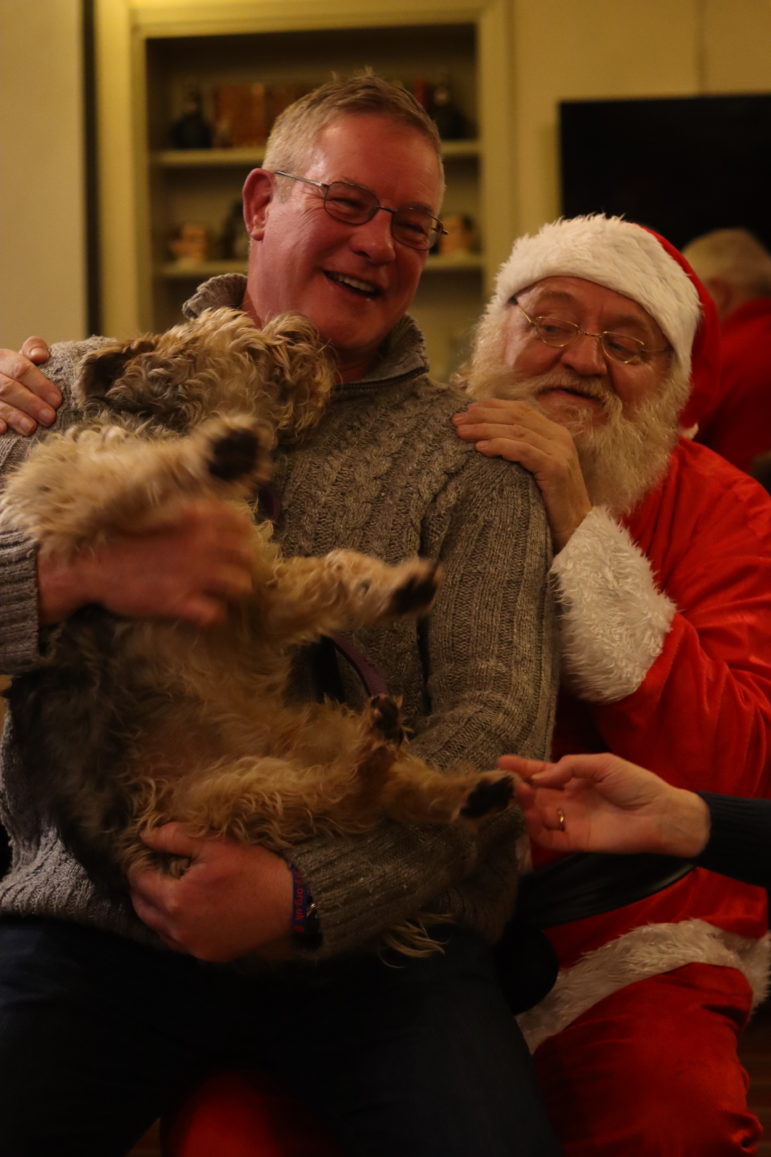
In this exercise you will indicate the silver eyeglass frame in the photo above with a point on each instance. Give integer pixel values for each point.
(437, 228)
(644, 355)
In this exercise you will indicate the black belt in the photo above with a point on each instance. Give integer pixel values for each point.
(589, 883)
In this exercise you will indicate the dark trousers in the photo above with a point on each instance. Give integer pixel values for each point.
(98, 1036)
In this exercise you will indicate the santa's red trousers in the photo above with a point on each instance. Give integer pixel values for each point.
(243, 1114)
(652, 1071)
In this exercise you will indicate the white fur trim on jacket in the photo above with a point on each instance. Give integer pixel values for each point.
(650, 950)
(613, 619)
(611, 252)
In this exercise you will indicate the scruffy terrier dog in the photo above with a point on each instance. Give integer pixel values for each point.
(131, 723)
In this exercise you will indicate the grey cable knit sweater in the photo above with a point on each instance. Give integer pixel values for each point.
(383, 473)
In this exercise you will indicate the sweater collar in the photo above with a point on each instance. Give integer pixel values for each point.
(402, 356)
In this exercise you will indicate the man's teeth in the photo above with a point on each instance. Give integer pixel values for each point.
(353, 283)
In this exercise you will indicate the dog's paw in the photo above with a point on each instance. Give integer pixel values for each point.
(493, 794)
(386, 719)
(234, 454)
(417, 591)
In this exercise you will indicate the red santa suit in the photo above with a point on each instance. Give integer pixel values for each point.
(666, 627)
(740, 427)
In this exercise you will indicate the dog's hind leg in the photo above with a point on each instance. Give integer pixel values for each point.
(383, 718)
(418, 794)
(383, 737)
(392, 781)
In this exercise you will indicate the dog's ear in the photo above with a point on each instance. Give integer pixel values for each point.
(102, 369)
(301, 369)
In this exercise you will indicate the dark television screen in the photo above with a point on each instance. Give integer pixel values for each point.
(681, 165)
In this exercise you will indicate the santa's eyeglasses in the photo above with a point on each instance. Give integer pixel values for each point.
(559, 333)
(354, 205)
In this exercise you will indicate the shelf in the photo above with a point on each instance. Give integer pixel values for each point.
(460, 150)
(181, 271)
(455, 263)
(252, 158)
(200, 270)
(206, 158)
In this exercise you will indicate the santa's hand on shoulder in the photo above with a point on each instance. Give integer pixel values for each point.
(516, 431)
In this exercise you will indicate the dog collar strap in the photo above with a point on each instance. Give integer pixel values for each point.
(305, 915)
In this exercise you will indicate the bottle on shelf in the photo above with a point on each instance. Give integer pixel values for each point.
(448, 118)
(192, 130)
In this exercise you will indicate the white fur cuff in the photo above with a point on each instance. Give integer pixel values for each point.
(614, 619)
(650, 950)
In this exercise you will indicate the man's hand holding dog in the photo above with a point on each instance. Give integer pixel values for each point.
(27, 396)
(188, 569)
(233, 901)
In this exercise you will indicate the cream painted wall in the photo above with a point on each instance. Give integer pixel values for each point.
(42, 227)
(595, 49)
(560, 49)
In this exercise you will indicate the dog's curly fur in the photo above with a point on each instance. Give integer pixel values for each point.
(131, 723)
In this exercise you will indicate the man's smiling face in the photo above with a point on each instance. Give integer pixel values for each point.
(623, 418)
(354, 282)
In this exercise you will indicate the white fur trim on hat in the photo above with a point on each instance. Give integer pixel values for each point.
(611, 252)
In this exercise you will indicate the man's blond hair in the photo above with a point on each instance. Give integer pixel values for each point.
(297, 128)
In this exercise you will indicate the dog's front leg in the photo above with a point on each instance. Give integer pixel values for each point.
(75, 492)
(342, 590)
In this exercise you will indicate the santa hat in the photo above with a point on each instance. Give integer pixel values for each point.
(641, 265)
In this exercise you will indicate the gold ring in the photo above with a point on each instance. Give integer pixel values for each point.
(561, 819)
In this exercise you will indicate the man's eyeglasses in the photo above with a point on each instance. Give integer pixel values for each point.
(355, 205)
(558, 333)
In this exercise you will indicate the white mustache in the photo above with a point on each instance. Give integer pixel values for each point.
(502, 385)
(586, 387)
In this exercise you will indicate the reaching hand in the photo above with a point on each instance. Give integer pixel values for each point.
(234, 900)
(517, 431)
(601, 803)
(27, 396)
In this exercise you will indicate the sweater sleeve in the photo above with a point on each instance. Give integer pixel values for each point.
(490, 653)
(19, 625)
(739, 843)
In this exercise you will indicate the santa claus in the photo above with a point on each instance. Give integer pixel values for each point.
(596, 355)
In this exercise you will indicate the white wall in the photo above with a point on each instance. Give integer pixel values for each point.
(599, 49)
(42, 226)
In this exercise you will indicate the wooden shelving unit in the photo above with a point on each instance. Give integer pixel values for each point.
(153, 51)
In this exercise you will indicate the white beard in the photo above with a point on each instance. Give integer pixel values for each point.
(621, 459)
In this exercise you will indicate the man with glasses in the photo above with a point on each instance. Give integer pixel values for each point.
(102, 1027)
(598, 348)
